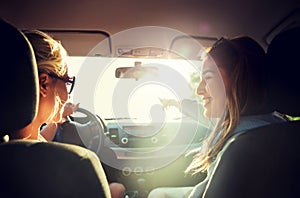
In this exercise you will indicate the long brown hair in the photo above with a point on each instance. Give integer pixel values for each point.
(243, 60)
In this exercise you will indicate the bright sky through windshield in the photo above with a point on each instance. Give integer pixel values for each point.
(97, 88)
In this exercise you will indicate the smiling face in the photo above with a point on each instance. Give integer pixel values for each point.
(212, 89)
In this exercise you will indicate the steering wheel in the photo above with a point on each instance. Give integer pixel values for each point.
(83, 129)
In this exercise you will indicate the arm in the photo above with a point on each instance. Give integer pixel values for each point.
(49, 131)
(188, 107)
(169, 102)
(174, 192)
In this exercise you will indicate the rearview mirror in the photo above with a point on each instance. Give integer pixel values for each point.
(136, 72)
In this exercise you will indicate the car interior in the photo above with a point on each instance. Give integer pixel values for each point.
(128, 57)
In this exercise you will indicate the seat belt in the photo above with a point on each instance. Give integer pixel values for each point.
(251, 122)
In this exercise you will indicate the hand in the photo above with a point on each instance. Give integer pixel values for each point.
(69, 109)
(168, 102)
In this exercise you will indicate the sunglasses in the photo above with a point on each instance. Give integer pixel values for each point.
(226, 50)
(221, 42)
(70, 81)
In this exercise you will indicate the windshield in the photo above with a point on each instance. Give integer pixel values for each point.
(99, 90)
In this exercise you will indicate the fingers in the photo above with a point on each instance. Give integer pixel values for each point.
(75, 107)
(69, 109)
(168, 103)
(164, 102)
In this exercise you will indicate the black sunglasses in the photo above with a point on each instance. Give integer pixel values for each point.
(227, 47)
(70, 81)
(220, 42)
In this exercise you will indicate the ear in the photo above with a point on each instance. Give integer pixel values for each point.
(43, 84)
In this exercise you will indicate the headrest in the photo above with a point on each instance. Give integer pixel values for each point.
(284, 63)
(18, 80)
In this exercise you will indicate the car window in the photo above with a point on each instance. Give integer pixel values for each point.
(98, 89)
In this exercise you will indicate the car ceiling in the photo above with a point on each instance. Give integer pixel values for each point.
(212, 18)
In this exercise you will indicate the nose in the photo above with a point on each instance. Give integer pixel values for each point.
(201, 88)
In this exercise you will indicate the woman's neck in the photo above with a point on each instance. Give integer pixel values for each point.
(30, 132)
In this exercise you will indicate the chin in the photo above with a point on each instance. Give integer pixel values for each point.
(57, 118)
(207, 113)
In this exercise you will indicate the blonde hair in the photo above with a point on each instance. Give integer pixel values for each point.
(49, 53)
(243, 59)
(50, 56)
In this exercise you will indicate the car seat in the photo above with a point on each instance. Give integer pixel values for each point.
(31, 168)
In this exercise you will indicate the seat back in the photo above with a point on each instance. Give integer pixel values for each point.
(264, 162)
(32, 168)
(38, 169)
(18, 80)
(284, 76)
(259, 163)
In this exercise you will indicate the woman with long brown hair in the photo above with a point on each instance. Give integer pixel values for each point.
(233, 88)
